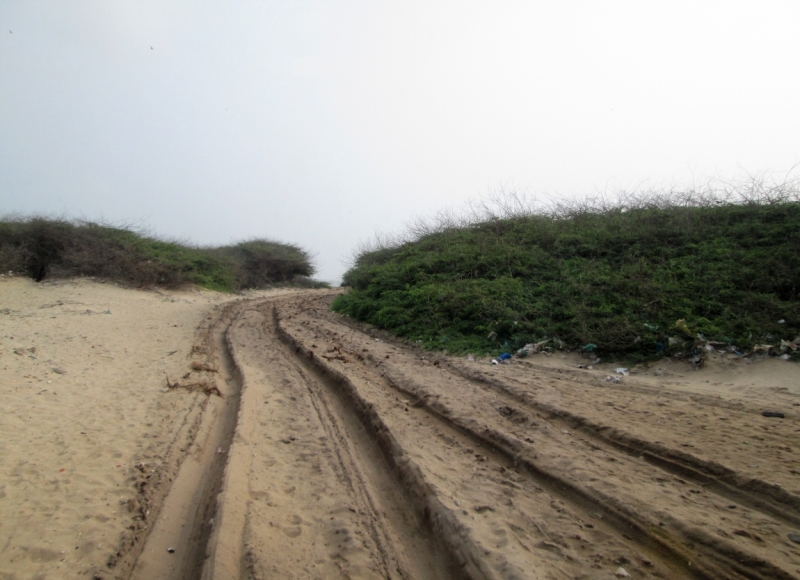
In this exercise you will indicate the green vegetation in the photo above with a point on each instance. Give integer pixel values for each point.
(43, 248)
(618, 276)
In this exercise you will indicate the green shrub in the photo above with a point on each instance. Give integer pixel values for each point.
(43, 248)
(618, 276)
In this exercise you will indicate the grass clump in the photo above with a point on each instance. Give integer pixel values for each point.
(54, 248)
(618, 275)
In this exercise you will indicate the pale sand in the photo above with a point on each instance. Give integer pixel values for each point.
(354, 456)
(84, 401)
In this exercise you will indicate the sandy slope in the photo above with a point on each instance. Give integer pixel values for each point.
(325, 450)
(89, 435)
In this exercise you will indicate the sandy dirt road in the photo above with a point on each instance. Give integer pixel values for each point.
(328, 450)
(358, 457)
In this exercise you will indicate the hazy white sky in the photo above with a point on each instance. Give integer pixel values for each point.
(319, 122)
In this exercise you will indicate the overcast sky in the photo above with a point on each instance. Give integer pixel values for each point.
(319, 122)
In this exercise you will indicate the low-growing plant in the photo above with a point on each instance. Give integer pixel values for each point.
(618, 275)
(44, 248)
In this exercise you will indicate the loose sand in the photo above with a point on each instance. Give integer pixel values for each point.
(302, 445)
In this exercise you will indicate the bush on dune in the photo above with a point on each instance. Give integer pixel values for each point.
(51, 248)
(617, 275)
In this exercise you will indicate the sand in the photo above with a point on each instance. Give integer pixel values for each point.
(303, 445)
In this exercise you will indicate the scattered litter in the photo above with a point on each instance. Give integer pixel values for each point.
(533, 347)
(651, 327)
(697, 361)
(589, 347)
(709, 348)
(470, 358)
(502, 358)
(674, 340)
(612, 379)
(683, 327)
(785, 357)
(781, 321)
(660, 347)
(621, 371)
(773, 414)
(622, 573)
(565, 432)
(220, 451)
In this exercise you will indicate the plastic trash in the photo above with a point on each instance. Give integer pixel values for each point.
(504, 356)
(532, 347)
(683, 327)
(674, 340)
(659, 347)
(589, 347)
(612, 379)
(651, 327)
(621, 371)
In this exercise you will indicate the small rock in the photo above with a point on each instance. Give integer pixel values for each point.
(795, 538)
(622, 573)
(773, 414)
(483, 508)
(171, 550)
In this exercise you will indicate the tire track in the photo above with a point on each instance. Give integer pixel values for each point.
(757, 495)
(345, 512)
(506, 453)
(727, 556)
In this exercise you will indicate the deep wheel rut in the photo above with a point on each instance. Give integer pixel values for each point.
(335, 452)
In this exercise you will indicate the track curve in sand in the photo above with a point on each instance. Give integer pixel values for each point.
(336, 452)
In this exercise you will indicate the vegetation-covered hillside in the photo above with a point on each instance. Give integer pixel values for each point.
(42, 248)
(640, 277)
